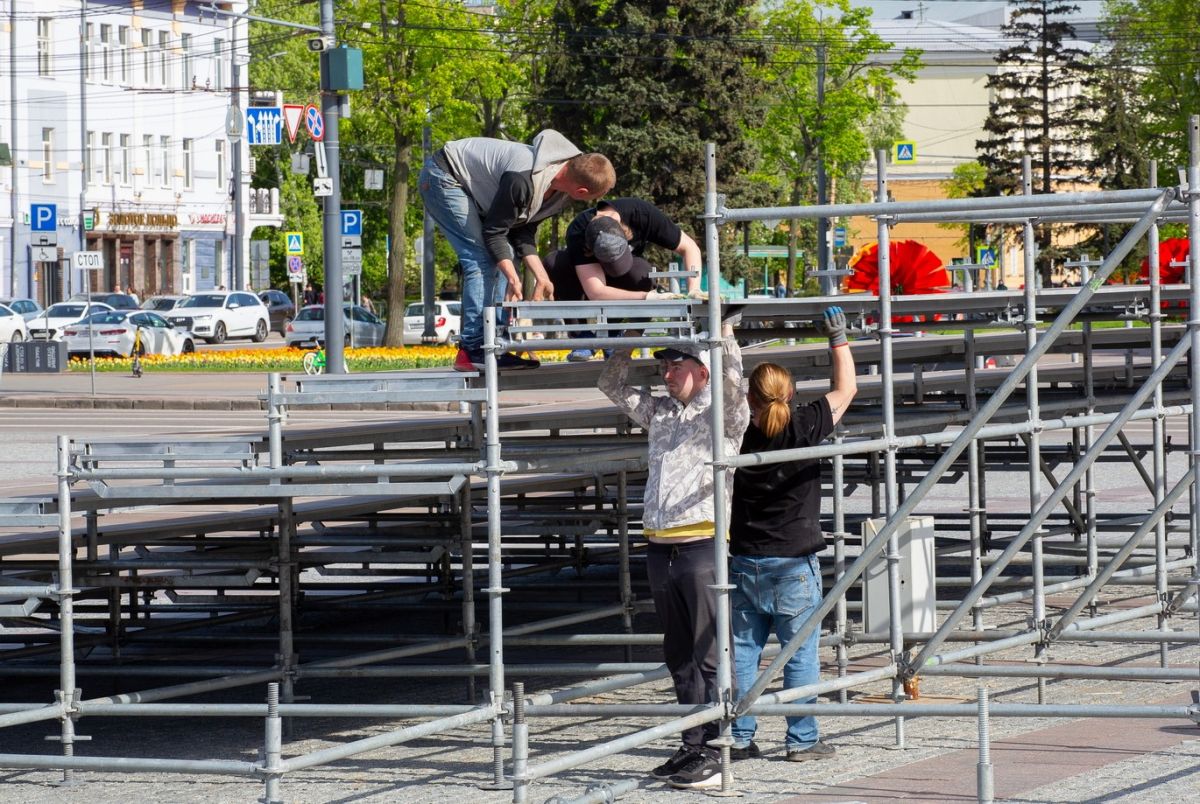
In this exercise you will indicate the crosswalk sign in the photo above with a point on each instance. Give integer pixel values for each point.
(295, 242)
(985, 256)
(904, 152)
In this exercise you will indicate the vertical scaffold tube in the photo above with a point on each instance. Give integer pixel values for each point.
(495, 578)
(974, 471)
(721, 585)
(66, 606)
(1194, 327)
(839, 561)
(272, 746)
(1159, 425)
(1035, 438)
(520, 745)
(285, 530)
(983, 778)
(896, 629)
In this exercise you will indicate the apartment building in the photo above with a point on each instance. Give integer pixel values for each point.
(116, 112)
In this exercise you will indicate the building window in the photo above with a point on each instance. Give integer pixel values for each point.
(153, 166)
(123, 55)
(164, 148)
(106, 54)
(108, 154)
(187, 163)
(45, 44)
(89, 156)
(124, 157)
(218, 71)
(164, 59)
(187, 78)
(89, 51)
(221, 177)
(147, 58)
(47, 155)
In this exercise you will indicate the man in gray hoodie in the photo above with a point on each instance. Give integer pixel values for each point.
(488, 196)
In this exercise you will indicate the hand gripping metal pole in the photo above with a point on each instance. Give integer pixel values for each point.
(873, 548)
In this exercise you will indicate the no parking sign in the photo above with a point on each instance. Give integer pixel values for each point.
(295, 267)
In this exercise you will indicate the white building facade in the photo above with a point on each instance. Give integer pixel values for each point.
(116, 112)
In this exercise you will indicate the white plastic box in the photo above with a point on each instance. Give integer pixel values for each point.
(918, 579)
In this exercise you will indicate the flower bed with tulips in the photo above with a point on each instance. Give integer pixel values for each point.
(384, 358)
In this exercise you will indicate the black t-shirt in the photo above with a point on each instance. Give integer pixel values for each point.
(649, 225)
(777, 507)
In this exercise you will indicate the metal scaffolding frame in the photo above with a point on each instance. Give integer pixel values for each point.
(405, 492)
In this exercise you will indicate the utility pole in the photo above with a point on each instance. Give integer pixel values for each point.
(85, 166)
(335, 356)
(827, 281)
(239, 208)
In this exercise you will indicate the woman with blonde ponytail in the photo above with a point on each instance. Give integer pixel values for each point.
(775, 534)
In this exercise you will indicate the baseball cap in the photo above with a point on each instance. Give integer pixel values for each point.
(684, 351)
(606, 240)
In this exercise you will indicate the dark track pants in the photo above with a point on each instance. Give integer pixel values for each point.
(680, 580)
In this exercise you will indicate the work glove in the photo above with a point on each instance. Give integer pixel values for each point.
(658, 295)
(833, 326)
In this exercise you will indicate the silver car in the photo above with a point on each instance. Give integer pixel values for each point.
(308, 327)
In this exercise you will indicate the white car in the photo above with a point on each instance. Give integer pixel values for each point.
(447, 321)
(113, 333)
(163, 304)
(49, 325)
(26, 308)
(308, 327)
(12, 325)
(215, 315)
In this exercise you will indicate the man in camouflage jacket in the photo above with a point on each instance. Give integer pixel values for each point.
(678, 518)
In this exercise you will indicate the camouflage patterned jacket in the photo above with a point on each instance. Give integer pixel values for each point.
(679, 489)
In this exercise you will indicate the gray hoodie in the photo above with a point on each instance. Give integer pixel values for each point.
(508, 182)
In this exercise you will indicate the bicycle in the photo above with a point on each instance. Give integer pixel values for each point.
(314, 362)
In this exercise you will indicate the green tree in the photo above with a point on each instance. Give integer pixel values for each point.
(1040, 106)
(966, 180)
(648, 84)
(859, 113)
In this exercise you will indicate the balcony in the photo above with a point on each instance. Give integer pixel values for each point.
(263, 203)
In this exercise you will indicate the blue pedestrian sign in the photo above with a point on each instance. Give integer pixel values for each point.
(295, 242)
(43, 217)
(314, 121)
(839, 236)
(352, 222)
(985, 256)
(904, 152)
(264, 125)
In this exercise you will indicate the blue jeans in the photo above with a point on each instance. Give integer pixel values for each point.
(775, 593)
(459, 219)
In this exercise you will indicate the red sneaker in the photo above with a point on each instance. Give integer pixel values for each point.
(463, 361)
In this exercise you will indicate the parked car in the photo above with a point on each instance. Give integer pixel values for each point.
(308, 328)
(280, 306)
(49, 325)
(26, 308)
(447, 321)
(113, 333)
(12, 325)
(117, 301)
(215, 315)
(162, 304)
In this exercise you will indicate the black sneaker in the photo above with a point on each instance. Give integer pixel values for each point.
(672, 765)
(745, 752)
(701, 770)
(508, 361)
(818, 750)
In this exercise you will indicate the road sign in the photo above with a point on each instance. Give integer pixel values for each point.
(295, 265)
(322, 186)
(352, 222)
(295, 242)
(314, 121)
(235, 123)
(264, 125)
(45, 254)
(43, 217)
(839, 236)
(985, 256)
(88, 260)
(89, 221)
(904, 152)
(292, 112)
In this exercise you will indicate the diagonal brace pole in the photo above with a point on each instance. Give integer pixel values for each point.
(989, 408)
(1044, 510)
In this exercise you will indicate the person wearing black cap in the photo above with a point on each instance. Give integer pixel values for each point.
(603, 258)
(678, 520)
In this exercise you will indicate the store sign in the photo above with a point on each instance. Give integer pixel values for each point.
(141, 220)
(206, 219)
